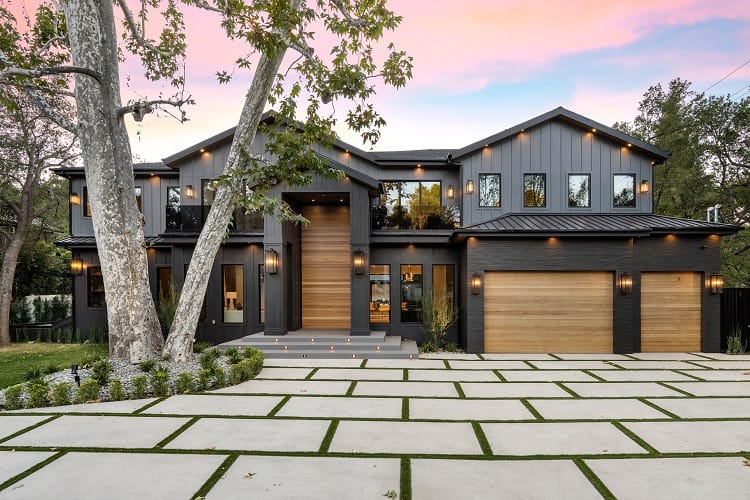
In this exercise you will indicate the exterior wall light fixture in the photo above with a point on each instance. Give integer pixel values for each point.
(469, 186)
(626, 283)
(189, 193)
(75, 199)
(358, 261)
(716, 283)
(76, 266)
(644, 186)
(476, 283)
(451, 192)
(272, 261)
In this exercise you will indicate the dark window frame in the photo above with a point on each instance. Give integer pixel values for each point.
(499, 189)
(90, 273)
(402, 282)
(225, 265)
(544, 194)
(632, 204)
(571, 174)
(390, 297)
(86, 203)
(179, 196)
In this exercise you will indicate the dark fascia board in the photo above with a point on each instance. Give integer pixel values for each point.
(192, 238)
(658, 154)
(721, 230)
(356, 175)
(139, 169)
(410, 237)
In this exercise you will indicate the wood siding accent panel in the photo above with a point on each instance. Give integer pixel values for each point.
(326, 268)
(533, 312)
(671, 312)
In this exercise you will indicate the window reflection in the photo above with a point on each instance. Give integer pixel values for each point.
(233, 293)
(534, 190)
(411, 293)
(489, 190)
(579, 190)
(624, 190)
(380, 293)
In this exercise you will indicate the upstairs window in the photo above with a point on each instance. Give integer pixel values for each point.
(86, 203)
(534, 190)
(139, 198)
(579, 190)
(96, 294)
(412, 205)
(623, 190)
(173, 196)
(489, 190)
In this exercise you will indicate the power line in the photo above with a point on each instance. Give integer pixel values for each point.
(735, 70)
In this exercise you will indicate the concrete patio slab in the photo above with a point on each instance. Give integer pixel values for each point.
(714, 388)
(688, 478)
(308, 477)
(541, 438)
(252, 434)
(720, 375)
(468, 409)
(546, 376)
(560, 479)
(669, 356)
(640, 375)
(725, 365)
(513, 390)
(656, 365)
(489, 365)
(454, 375)
(678, 437)
(127, 406)
(510, 356)
(445, 438)
(117, 476)
(315, 387)
(10, 424)
(448, 355)
(574, 365)
(594, 409)
(728, 357)
(405, 363)
(100, 432)
(313, 362)
(592, 357)
(426, 389)
(197, 404)
(621, 390)
(358, 374)
(284, 373)
(702, 408)
(13, 463)
(332, 407)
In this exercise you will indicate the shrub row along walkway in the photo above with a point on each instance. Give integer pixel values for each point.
(452, 426)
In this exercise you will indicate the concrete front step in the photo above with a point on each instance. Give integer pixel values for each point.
(388, 344)
(321, 336)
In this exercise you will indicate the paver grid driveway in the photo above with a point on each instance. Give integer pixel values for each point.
(454, 426)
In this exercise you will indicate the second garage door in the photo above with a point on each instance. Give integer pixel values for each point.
(670, 312)
(533, 311)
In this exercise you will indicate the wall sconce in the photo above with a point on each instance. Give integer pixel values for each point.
(476, 283)
(644, 186)
(469, 187)
(358, 261)
(76, 266)
(716, 283)
(189, 193)
(626, 283)
(451, 192)
(75, 199)
(272, 261)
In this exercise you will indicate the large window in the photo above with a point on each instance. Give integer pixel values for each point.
(234, 296)
(139, 198)
(489, 190)
(262, 293)
(411, 293)
(534, 190)
(208, 192)
(380, 293)
(443, 283)
(86, 203)
(173, 196)
(96, 287)
(623, 190)
(164, 287)
(579, 190)
(413, 205)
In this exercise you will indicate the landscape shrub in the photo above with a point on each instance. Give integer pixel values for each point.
(13, 397)
(199, 347)
(116, 392)
(204, 379)
(184, 383)
(221, 377)
(147, 366)
(140, 384)
(233, 355)
(236, 372)
(100, 371)
(61, 394)
(38, 393)
(160, 381)
(89, 391)
(209, 359)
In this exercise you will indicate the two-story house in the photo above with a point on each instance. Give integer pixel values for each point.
(542, 235)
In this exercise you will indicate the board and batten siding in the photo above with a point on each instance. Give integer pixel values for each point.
(556, 149)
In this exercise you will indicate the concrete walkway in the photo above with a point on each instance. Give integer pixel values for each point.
(448, 426)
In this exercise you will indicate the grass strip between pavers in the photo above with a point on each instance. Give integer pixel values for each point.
(312, 373)
(11, 481)
(405, 376)
(27, 429)
(694, 362)
(676, 389)
(364, 363)
(214, 478)
(635, 437)
(280, 405)
(180, 430)
(480, 357)
(555, 356)
(594, 479)
(326, 443)
(530, 364)
(567, 389)
(350, 391)
(447, 365)
(484, 444)
(149, 405)
(694, 378)
(499, 375)
(405, 409)
(459, 390)
(531, 409)
(659, 408)
(594, 375)
(405, 479)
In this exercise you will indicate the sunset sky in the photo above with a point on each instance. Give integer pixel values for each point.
(481, 66)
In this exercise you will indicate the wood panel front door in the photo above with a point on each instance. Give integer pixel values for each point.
(326, 267)
(670, 312)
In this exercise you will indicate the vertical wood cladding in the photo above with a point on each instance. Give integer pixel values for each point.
(671, 311)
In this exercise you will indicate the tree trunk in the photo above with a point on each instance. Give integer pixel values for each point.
(134, 332)
(10, 259)
(179, 344)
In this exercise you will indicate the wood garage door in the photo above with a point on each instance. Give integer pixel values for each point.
(531, 311)
(670, 312)
(326, 268)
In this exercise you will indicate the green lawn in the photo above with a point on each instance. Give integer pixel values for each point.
(19, 357)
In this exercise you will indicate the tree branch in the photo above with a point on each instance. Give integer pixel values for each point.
(137, 34)
(142, 108)
(11, 204)
(52, 70)
(347, 15)
(52, 115)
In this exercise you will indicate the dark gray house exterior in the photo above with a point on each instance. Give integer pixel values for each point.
(542, 235)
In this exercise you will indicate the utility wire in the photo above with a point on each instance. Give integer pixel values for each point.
(735, 70)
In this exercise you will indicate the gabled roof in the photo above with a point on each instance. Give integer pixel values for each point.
(592, 224)
(659, 155)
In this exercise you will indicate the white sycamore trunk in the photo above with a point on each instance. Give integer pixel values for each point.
(134, 332)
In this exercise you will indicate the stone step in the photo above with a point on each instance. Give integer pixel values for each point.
(388, 344)
(322, 337)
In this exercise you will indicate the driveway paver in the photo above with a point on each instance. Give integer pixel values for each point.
(574, 365)
(489, 365)
(640, 375)
(513, 390)
(336, 407)
(321, 387)
(657, 365)
(445, 438)
(453, 375)
(594, 409)
(426, 389)
(621, 389)
(197, 404)
(706, 408)
(468, 409)
(720, 375)
(284, 373)
(12, 424)
(13, 463)
(679, 437)
(126, 406)
(546, 376)
(358, 374)
(714, 388)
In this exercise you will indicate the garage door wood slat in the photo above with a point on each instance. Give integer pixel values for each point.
(671, 312)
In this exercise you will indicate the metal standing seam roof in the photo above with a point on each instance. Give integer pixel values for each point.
(593, 223)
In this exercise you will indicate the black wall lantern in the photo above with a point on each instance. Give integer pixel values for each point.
(272, 261)
(75, 199)
(626, 283)
(76, 266)
(358, 261)
(189, 193)
(469, 187)
(451, 192)
(476, 283)
(716, 283)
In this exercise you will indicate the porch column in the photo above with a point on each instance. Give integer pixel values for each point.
(360, 292)
(275, 284)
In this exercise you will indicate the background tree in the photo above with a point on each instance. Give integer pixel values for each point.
(29, 146)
